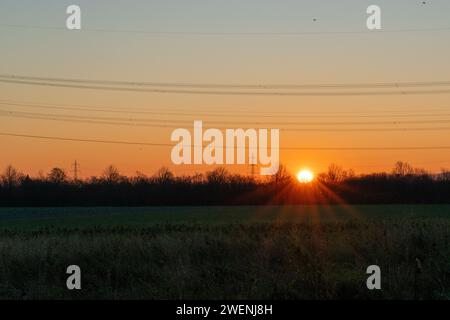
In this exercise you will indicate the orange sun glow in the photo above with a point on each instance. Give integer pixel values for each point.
(305, 176)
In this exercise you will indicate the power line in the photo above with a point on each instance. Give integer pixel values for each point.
(384, 165)
(303, 115)
(234, 93)
(179, 124)
(72, 120)
(197, 33)
(84, 140)
(394, 85)
(171, 145)
(378, 110)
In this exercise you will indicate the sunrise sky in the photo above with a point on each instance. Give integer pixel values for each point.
(225, 42)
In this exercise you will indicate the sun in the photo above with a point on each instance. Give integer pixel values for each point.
(305, 176)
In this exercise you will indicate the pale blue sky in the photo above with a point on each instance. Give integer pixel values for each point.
(181, 57)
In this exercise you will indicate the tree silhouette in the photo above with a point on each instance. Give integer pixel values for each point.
(335, 173)
(445, 175)
(57, 176)
(282, 176)
(164, 176)
(217, 176)
(111, 174)
(10, 177)
(402, 169)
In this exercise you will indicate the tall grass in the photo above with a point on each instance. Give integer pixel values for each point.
(231, 261)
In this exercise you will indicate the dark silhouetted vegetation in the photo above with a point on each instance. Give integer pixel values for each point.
(404, 184)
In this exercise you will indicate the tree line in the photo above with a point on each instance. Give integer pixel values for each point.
(404, 184)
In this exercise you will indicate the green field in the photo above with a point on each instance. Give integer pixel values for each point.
(289, 252)
(84, 217)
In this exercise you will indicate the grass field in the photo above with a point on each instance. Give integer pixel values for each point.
(82, 217)
(292, 252)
